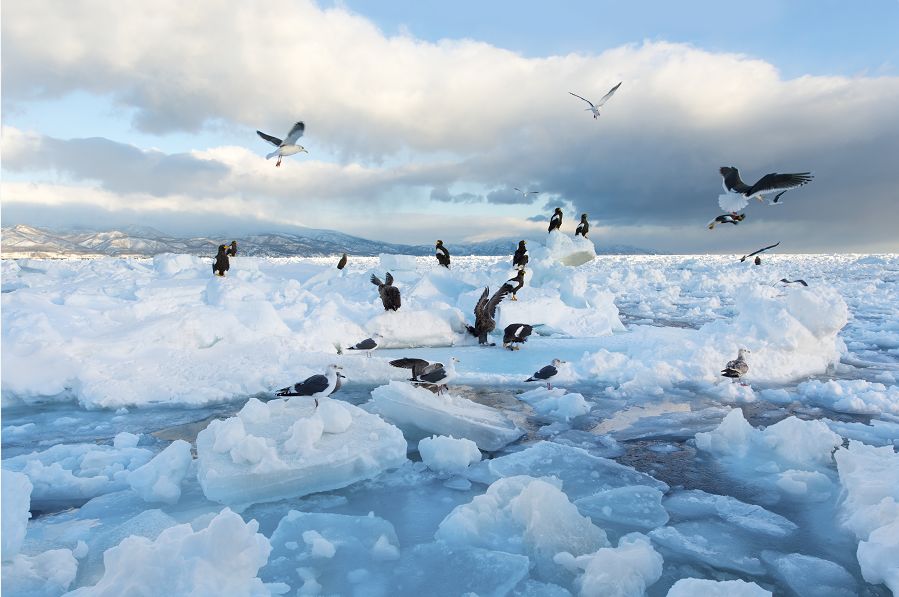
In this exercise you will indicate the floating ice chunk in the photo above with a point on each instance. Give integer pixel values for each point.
(221, 559)
(448, 454)
(242, 461)
(125, 440)
(877, 556)
(581, 473)
(877, 433)
(623, 571)
(556, 403)
(421, 413)
(160, 479)
(326, 547)
(634, 507)
(395, 263)
(851, 396)
(694, 504)
(711, 543)
(16, 500)
(808, 575)
(692, 587)
(811, 485)
(44, 575)
(524, 515)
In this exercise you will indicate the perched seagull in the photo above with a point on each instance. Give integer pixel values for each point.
(520, 258)
(288, 146)
(738, 367)
(368, 345)
(515, 284)
(418, 366)
(583, 228)
(547, 373)
(484, 312)
(428, 374)
(785, 281)
(390, 294)
(758, 260)
(727, 219)
(526, 194)
(317, 386)
(443, 256)
(516, 333)
(555, 222)
(342, 263)
(739, 193)
(595, 107)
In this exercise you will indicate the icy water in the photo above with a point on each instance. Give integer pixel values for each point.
(652, 432)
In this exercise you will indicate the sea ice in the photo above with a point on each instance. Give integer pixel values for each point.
(557, 404)
(851, 396)
(448, 454)
(694, 587)
(696, 504)
(46, 574)
(16, 500)
(635, 507)
(623, 571)
(808, 575)
(160, 479)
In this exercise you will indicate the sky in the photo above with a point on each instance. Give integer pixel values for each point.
(422, 117)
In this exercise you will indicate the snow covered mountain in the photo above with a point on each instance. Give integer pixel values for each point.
(23, 241)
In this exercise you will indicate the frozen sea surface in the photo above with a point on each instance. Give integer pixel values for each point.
(637, 456)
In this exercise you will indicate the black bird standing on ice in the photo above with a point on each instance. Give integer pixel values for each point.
(555, 222)
(316, 386)
(515, 284)
(516, 333)
(342, 263)
(222, 264)
(520, 258)
(583, 228)
(739, 193)
(738, 367)
(232, 251)
(390, 294)
(727, 219)
(443, 256)
(288, 146)
(547, 373)
(484, 312)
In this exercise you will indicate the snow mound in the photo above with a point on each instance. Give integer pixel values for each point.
(691, 587)
(46, 574)
(633, 507)
(448, 454)
(221, 559)
(625, 571)
(160, 479)
(408, 328)
(284, 448)
(16, 500)
(420, 413)
(557, 404)
(396, 263)
(171, 264)
(561, 248)
(852, 396)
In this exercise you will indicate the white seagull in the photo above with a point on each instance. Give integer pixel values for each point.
(526, 193)
(288, 146)
(595, 107)
(739, 193)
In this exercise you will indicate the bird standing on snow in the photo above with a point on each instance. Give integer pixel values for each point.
(342, 263)
(515, 284)
(317, 386)
(222, 263)
(547, 373)
(739, 193)
(595, 107)
(727, 219)
(443, 256)
(232, 251)
(390, 294)
(555, 222)
(484, 312)
(516, 333)
(288, 146)
(583, 228)
(520, 258)
(368, 345)
(758, 260)
(738, 367)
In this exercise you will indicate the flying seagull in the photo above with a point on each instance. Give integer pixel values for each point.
(785, 281)
(762, 250)
(390, 294)
(288, 146)
(516, 333)
(738, 367)
(368, 345)
(739, 193)
(484, 312)
(595, 107)
(526, 194)
(317, 386)
(547, 373)
(727, 219)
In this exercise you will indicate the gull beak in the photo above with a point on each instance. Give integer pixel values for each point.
(341, 375)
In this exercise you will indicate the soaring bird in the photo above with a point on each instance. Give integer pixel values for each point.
(317, 386)
(595, 107)
(799, 281)
(390, 294)
(555, 222)
(443, 256)
(342, 263)
(222, 263)
(762, 250)
(520, 258)
(738, 367)
(232, 251)
(584, 227)
(515, 284)
(727, 219)
(368, 345)
(516, 333)
(547, 373)
(739, 193)
(526, 194)
(288, 146)
(484, 312)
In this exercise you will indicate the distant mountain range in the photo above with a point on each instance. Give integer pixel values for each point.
(23, 241)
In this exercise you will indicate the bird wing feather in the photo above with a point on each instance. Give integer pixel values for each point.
(583, 98)
(271, 139)
(295, 133)
(376, 281)
(388, 279)
(779, 182)
(732, 202)
(732, 181)
(762, 250)
(496, 299)
(606, 97)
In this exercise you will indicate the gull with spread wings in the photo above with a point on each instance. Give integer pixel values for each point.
(288, 146)
(739, 193)
(595, 107)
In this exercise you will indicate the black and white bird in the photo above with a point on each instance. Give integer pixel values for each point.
(762, 250)
(514, 284)
(443, 256)
(390, 294)
(316, 386)
(785, 281)
(431, 375)
(232, 250)
(555, 222)
(727, 219)
(368, 345)
(342, 263)
(595, 107)
(520, 258)
(484, 313)
(418, 366)
(583, 228)
(547, 373)
(526, 194)
(739, 193)
(738, 367)
(516, 333)
(222, 263)
(288, 146)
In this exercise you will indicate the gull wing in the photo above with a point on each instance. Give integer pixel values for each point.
(273, 140)
(606, 97)
(780, 182)
(295, 133)
(760, 251)
(583, 98)
(732, 181)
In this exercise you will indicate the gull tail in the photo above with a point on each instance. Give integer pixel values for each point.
(271, 155)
